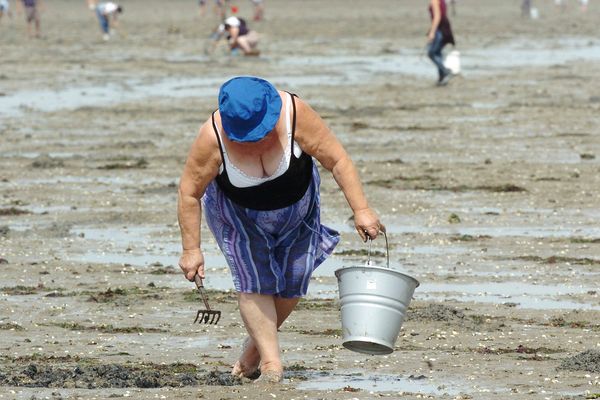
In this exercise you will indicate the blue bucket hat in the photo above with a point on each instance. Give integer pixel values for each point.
(249, 108)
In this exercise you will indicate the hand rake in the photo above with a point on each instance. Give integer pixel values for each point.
(206, 316)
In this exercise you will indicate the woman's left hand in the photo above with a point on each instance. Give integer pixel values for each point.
(367, 224)
(430, 36)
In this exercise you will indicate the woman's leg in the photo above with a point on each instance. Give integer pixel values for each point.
(262, 315)
(37, 23)
(242, 43)
(435, 54)
(248, 43)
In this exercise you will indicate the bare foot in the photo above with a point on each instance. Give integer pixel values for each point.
(270, 373)
(247, 365)
(272, 376)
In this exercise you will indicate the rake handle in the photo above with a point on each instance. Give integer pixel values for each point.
(200, 287)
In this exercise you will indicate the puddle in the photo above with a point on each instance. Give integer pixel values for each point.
(524, 295)
(32, 155)
(532, 303)
(133, 180)
(112, 246)
(378, 383)
(345, 70)
(551, 231)
(197, 342)
(145, 245)
(521, 53)
(506, 289)
(473, 61)
(131, 90)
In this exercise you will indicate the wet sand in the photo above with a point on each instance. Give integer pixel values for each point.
(489, 188)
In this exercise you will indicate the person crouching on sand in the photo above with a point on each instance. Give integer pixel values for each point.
(251, 170)
(107, 17)
(240, 36)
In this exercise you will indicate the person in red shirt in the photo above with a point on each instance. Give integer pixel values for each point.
(438, 36)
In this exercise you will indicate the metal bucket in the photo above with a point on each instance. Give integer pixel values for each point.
(373, 301)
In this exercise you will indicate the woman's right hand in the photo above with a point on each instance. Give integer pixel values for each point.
(367, 224)
(191, 263)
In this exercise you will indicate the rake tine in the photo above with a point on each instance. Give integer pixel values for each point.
(207, 316)
(198, 316)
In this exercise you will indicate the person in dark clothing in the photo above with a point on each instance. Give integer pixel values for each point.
(32, 16)
(438, 36)
(526, 8)
(453, 7)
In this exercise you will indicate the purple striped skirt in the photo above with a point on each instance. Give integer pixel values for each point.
(271, 252)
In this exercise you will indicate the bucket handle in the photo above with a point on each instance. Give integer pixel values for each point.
(387, 250)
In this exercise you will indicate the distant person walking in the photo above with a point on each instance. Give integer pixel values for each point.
(526, 8)
(5, 9)
(202, 7)
(453, 7)
(563, 3)
(438, 36)
(259, 9)
(221, 8)
(32, 16)
(107, 17)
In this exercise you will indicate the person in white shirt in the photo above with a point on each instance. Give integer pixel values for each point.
(240, 36)
(107, 17)
(5, 8)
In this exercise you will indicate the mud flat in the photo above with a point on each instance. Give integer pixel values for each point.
(488, 187)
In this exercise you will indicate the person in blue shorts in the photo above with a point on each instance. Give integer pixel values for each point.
(251, 169)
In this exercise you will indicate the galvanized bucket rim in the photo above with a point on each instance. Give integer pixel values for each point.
(375, 267)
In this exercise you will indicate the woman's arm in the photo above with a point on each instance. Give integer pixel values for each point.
(201, 167)
(234, 32)
(316, 139)
(435, 21)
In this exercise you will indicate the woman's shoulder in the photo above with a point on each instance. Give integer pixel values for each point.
(206, 133)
